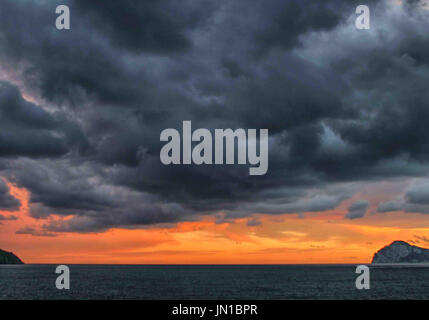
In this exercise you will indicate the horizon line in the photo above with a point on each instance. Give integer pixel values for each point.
(193, 264)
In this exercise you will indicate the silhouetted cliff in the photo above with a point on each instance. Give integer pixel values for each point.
(9, 258)
(401, 252)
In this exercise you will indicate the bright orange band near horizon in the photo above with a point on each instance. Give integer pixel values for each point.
(306, 238)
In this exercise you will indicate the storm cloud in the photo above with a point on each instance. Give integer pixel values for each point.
(82, 109)
(357, 209)
(7, 202)
(415, 199)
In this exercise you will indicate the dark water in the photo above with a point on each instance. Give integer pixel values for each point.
(213, 282)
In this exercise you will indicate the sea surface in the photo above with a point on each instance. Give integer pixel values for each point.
(213, 282)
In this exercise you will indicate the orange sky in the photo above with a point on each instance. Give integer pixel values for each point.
(307, 238)
(321, 237)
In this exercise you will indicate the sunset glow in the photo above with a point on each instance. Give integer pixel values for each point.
(112, 131)
(283, 239)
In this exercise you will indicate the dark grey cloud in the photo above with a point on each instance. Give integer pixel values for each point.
(135, 215)
(7, 202)
(414, 199)
(254, 222)
(290, 19)
(357, 209)
(60, 185)
(390, 206)
(63, 188)
(34, 232)
(28, 130)
(149, 26)
(342, 106)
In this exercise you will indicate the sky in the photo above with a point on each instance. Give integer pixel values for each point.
(81, 112)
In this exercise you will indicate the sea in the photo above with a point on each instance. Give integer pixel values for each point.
(213, 282)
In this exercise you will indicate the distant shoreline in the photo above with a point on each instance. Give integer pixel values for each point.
(9, 258)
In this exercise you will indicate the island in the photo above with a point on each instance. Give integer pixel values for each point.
(401, 252)
(9, 258)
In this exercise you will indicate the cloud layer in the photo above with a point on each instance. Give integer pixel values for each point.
(342, 106)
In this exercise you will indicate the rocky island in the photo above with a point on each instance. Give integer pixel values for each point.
(9, 258)
(401, 252)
